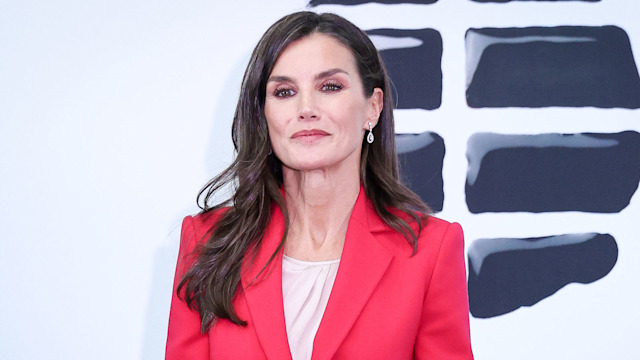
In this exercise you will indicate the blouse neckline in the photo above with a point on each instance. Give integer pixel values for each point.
(309, 263)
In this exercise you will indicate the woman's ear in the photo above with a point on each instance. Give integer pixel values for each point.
(376, 102)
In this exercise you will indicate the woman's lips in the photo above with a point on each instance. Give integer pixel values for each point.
(309, 135)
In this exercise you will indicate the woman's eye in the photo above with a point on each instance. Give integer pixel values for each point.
(331, 87)
(283, 92)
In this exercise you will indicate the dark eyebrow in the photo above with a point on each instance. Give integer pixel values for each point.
(279, 79)
(330, 72)
(322, 75)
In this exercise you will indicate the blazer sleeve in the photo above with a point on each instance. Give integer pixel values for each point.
(444, 327)
(184, 340)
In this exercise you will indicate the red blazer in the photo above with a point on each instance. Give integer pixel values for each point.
(385, 303)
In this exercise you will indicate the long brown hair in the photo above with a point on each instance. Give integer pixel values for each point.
(256, 174)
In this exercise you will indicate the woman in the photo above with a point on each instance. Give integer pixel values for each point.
(321, 252)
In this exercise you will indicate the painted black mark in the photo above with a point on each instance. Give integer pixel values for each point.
(552, 172)
(571, 66)
(421, 157)
(506, 274)
(413, 61)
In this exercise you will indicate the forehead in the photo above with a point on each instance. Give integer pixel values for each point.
(313, 53)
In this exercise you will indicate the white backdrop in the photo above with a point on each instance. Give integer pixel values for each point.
(114, 113)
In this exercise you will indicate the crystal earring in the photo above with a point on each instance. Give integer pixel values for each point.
(370, 135)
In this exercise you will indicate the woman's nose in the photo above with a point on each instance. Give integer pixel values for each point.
(307, 106)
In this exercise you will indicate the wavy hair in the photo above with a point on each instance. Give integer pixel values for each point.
(255, 175)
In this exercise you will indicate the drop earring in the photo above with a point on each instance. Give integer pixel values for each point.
(370, 135)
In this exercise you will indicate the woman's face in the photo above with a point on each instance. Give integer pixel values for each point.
(315, 105)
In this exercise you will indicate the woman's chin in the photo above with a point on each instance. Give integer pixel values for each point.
(316, 162)
(308, 166)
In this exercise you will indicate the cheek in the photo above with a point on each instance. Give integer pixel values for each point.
(274, 122)
(279, 111)
(275, 135)
(354, 119)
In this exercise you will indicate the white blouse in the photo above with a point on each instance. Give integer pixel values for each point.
(306, 286)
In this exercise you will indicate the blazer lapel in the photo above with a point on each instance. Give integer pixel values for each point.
(264, 293)
(363, 263)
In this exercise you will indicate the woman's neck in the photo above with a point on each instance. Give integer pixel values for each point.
(319, 204)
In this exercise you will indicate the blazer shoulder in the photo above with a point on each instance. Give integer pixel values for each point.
(434, 232)
(196, 229)
(435, 225)
(204, 222)
(437, 232)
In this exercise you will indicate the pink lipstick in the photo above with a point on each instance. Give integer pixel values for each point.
(309, 135)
